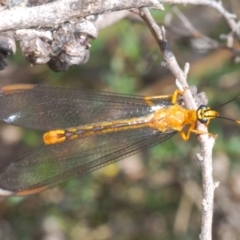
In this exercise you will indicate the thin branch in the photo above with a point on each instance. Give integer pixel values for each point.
(217, 5)
(159, 35)
(206, 142)
(205, 158)
(54, 14)
(209, 43)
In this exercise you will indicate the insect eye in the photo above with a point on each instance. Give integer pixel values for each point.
(201, 114)
(203, 120)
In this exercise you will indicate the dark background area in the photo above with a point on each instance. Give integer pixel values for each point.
(155, 194)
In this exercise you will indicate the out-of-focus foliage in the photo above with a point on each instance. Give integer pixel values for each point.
(157, 193)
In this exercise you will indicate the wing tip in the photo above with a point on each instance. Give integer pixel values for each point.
(23, 192)
(14, 87)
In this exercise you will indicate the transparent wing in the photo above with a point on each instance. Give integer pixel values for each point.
(47, 107)
(50, 165)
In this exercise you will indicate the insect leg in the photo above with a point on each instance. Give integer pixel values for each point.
(192, 129)
(174, 97)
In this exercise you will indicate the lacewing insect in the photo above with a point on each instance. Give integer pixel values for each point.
(86, 130)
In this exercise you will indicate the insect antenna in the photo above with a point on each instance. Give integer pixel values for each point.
(223, 104)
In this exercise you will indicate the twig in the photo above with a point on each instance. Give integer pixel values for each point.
(61, 11)
(206, 142)
(205, 158)
(159, 35)
(54, 14)
(217, 5)
(211, 43)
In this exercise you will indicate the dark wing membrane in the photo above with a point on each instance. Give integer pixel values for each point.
(47, 107)
(50, 165)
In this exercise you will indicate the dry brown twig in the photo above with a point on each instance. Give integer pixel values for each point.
(206, 142)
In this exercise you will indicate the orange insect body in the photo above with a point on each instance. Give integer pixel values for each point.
(174, 117)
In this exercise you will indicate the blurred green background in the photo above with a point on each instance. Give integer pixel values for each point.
(155, 194)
